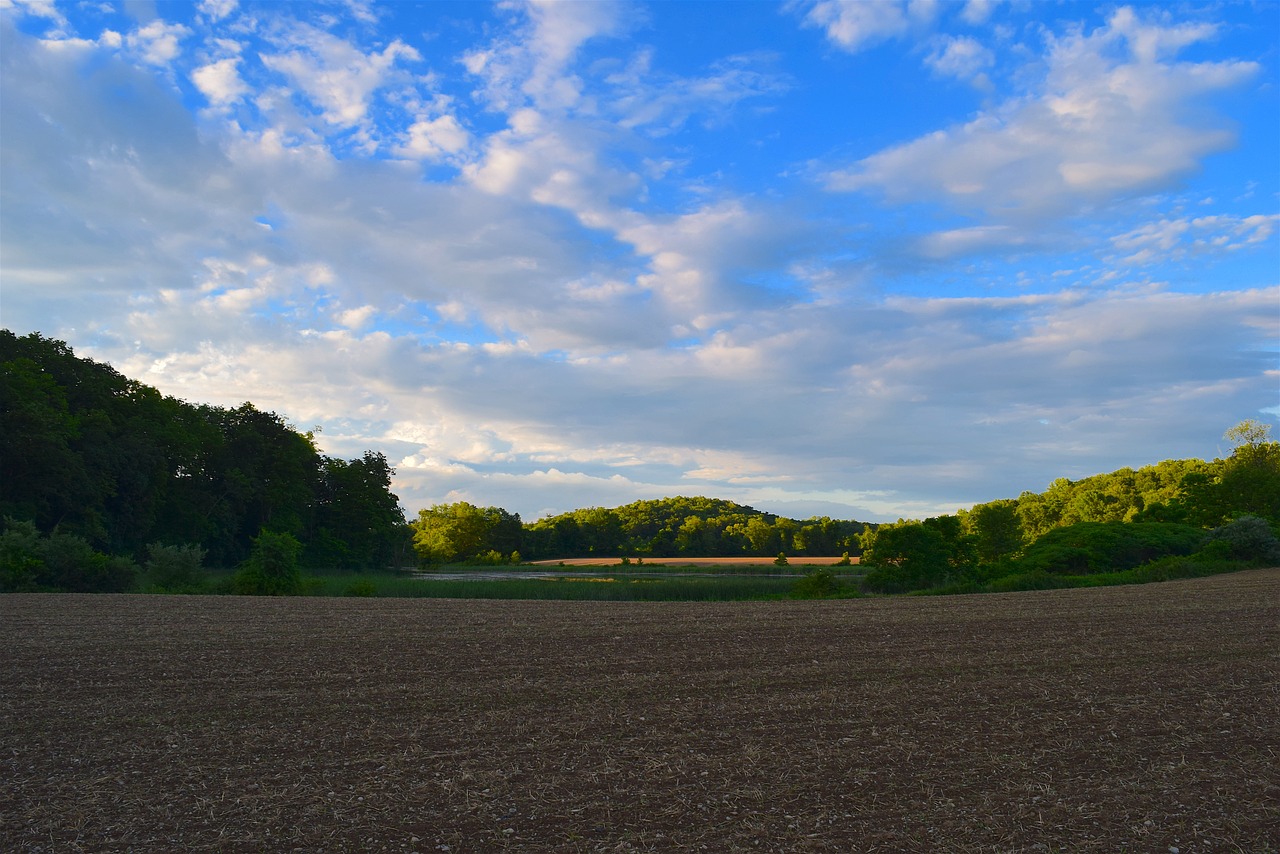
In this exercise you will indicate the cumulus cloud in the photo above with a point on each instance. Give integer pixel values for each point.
(435, 138)
(519, 296)
(216, 10)
(855, 25)
(960, 56)
(157, 43)
(336, 76)
(1110, 120)
(46, 9)
(220, 81)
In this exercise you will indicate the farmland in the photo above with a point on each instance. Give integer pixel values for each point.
(1127, 718)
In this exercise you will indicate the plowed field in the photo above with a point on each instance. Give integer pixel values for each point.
(1120, 719)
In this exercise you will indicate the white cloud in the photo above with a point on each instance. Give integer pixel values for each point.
(539, 333)
(532, 67)
(959, 56)
(216, 10)
(435, 139)
(855, 25)
(46, 9)
(220, 81)
(977, 12)
(157, 43)
(334, 74)
(1100, 128)
(1178, 238)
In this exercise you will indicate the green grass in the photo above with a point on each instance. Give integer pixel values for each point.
(601, 587)
(1164, 569)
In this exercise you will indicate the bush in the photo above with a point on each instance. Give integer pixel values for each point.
(20, 562)
(818, 584)
(361, 587)
(1092, 547)
(1035, 580)
(69, 563)
(272, 567)
(493, 557)
(175, 569)
(1247, 538)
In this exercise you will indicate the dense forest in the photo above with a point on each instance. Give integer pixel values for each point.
(106, 484)
(90, 454)
(664, 528)
(1175, 517)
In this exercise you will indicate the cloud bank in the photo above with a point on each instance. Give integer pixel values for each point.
(550, 256)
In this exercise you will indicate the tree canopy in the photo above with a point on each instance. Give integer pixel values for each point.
(91, 454)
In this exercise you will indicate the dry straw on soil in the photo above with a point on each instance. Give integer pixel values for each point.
(1139, 718)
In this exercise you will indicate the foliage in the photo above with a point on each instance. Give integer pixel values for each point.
(445, 533)
(89, 452)
(905, 556)
(175, 569)
(685, 527)
(60, 561)
(20, 561)
(996, 529)
(1247, 538)
(1090, 547)
(821, 583)
(363, 587)
(272, 568)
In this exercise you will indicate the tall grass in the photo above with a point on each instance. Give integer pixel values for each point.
(604, 587)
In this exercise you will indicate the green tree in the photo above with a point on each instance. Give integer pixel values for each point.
(272, 567)
(445, 533)
(359, 523)
(905, 556)
(996, 528)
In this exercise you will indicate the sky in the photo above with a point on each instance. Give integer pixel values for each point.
(866, 260)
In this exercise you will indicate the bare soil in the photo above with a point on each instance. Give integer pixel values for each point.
(1118, 719)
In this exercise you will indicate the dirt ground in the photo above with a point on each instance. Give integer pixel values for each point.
(1121, 719)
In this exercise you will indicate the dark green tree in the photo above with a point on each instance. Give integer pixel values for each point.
(905, 556)
(272, 567)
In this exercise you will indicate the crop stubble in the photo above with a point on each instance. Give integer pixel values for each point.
(1137, 718)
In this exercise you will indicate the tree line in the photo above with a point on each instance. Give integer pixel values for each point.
(1178, 516)
(663, 528)
(88, 454)
(103, 477)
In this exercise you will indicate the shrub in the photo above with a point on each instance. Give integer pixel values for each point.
(69, 563)
(1247, 538)
(781, 559)
(493, 557)
(175, 569)
(20, 562)
(1092, 547)
(272, 567)
(361, 587)
(818, 584)
(1035, 580)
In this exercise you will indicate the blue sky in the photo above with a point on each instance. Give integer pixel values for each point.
(860, 259)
